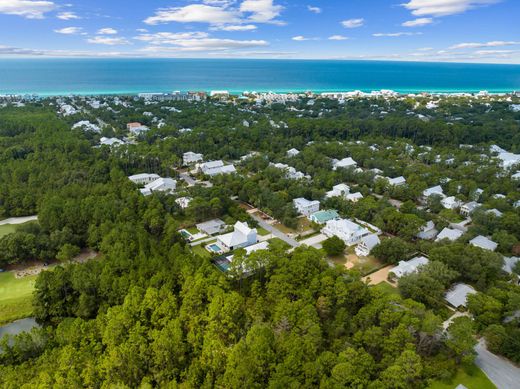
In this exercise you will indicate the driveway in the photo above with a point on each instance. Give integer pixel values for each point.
(314, 241)
(188, 179)
(500, 371)
(275, 232)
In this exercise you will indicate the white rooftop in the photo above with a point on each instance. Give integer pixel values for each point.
(483, 243)
(457, 296)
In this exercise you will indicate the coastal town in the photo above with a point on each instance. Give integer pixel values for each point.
(395, 190)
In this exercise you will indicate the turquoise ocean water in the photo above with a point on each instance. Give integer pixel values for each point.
(128, 76)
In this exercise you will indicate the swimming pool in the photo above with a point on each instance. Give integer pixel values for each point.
(214, 248)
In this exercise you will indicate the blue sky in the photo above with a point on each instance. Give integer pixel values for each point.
(419, 30)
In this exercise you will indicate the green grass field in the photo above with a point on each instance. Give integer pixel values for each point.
(385, 287)
(15, 297)
(262, 231)
(7, 229)
(471, 377)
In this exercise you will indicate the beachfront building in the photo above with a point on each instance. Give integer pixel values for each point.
(450, 234)
(211, 227)
(144, 178)
(348, 231)
(344, 163)
(366, 245)
(306, 207)
(214, 168)
(322, 217)
(165, 185)
(191, 158)
(241, 237)
(408, 267)
(428, 231)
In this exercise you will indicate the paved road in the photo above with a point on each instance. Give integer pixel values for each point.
(18, 220)
(276, 232)
(501, 372)
(314, 241)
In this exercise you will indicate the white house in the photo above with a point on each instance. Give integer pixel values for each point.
(290, 172)
(434, 190)
(398, 181)
(450, 234)
(183, 202)
(211, 227)
(293, 153)
(457, 296)
(214, 168)
(112, 142)
(348, 231)
(483, 243)
(409, 267)
(344, 163)
(241, 237)
(366, 245)
(190, 158)
(468, 208)
(166, 185)
(144, 178)
(516, 176)
(306, 207)
(451, 202)
(428, 231)
(354, 197)
(340, 190)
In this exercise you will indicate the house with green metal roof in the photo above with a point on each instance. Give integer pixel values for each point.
(322, 217)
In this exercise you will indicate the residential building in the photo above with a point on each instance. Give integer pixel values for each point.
(433, 191)
(136, 128)
(306, 207)
(398, 181)
(183, 202)
(190, 158)
(343, 163)
(290, 172)
(451, 202)
(495, 212)
(509, 264)
(166, 185)
(450, 234)
(211, 227)
(293, 153)
(143, 178)
(214, 168)
(409, 267)
(468, 208)
(348, 231)
(322, 217)
(241, 237)
(366, 245)
(340, 190)
(112, 142)
(483, 243)
(457, 296)
(428, 231)
(354, 197)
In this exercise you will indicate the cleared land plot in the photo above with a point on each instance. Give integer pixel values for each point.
(15, 297)
(471, 377)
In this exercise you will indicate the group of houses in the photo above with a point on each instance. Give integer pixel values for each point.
(152, 183)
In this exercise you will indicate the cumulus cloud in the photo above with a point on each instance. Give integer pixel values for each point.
(261, 11)
(235, 27)
(301, 38)
(108, 40)
(418, 22)
(316, 10)
(444, 7)
(69, 30)
(353, 23)
(476, 45)
(67, 16)
(337, 38)
(30, 9)
(107, 31)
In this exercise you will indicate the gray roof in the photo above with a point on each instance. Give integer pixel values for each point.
(483, 243)
(509, 264)
(458, 294)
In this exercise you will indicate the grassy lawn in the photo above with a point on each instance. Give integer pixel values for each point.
(192, 230)
(7, 229)
(385, 287)
(366, 265)
(471, 377)
(262, 231)
(201, 251)
(15, 297)
(277, 243)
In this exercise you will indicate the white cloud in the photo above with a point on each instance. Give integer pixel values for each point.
(107, 31)
(418, 22)
(161, 38)
(261, 11)
(396, 34)
(67, 16)
(30, 9)
(337, 38)
(69, 30)
(316, 10)
(235, 27)
(108, 40)
(476, 45)
(444, 7)
(353, 23)
(195, 13)
(301, 38)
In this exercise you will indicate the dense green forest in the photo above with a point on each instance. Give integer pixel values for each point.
(151, 313)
